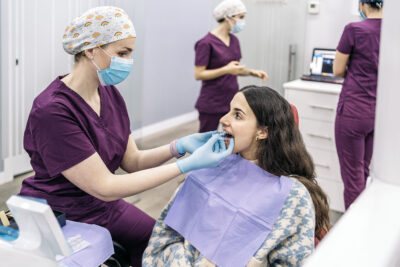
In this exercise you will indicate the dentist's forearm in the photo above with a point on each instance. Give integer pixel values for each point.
(205, 75)
(116, 187)
(151, 158)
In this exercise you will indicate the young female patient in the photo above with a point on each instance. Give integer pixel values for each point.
(256, 208)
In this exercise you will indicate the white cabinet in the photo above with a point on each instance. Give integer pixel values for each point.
(316, 103)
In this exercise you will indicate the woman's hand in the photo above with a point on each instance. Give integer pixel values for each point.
(207, 156)
(234, 68)
(260, 74)
(190, 143)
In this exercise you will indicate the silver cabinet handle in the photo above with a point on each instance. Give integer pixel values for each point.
(322, 165)
(322, 107)
(292, 61)
(320, 136)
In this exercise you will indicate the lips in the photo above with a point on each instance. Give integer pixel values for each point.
(228, 134)
(227, 139)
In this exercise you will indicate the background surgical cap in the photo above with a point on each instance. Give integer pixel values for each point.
(96, 27)
(229, 8)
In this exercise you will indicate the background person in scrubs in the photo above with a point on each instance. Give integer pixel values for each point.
(78, 135)
(357, 60)
(217, 64)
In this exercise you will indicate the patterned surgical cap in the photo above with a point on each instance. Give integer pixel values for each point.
(229, 8)
(96, 27)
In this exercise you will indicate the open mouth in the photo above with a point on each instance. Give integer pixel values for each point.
(227, 139)
(227, 135)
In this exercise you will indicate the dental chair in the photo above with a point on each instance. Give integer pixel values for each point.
(295, 114)
(120, 258)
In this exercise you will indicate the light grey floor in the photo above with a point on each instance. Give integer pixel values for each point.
(151, 201)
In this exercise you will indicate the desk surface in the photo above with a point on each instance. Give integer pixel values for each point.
(329, 88)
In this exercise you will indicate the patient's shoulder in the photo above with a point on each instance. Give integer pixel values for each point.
(292, 237)
(299, 192)
(297, 212)
(298, 206)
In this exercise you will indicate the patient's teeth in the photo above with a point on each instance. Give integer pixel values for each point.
(220, 128)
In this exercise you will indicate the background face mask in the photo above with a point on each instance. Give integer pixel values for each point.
(362, 15)
(240, 23)
(119, 70)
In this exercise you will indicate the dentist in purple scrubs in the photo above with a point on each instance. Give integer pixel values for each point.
(357, 60)
(78, 135)
(217, 64)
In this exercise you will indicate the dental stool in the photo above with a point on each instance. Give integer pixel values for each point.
(120, 258)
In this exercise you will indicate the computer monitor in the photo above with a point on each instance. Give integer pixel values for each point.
(322, 62)
(39, 231)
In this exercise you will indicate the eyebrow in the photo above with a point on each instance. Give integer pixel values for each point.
(238, 109)
(127, 48)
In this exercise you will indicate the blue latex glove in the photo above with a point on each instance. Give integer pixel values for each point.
(192, 142)
(207, 156)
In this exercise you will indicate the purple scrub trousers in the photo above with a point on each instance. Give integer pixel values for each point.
(354, 125)
(62, 131)
(216, 95)
(209, 122)
(354, 143)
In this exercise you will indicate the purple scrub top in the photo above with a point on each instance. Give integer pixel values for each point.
(361, 40)
(62, 131)
(216, 95)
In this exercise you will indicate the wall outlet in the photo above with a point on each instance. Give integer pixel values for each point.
(313, 7)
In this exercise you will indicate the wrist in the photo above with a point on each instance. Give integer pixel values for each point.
(246, 72)
(226, 70)
(179, 147)
(180, 165)
(187, 164)
(175, 152)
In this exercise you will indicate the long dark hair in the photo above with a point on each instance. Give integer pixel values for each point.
(283, 151)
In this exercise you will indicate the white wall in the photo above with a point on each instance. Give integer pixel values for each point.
(386, 159)
(271, 28)
(171, 30)
(325, 29)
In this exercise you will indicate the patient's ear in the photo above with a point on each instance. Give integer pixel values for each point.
(262, 133)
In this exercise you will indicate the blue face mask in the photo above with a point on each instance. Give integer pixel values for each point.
(119, 70)
(240, 23)
(362, 15)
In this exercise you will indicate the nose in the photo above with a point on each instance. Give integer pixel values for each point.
(224, 120)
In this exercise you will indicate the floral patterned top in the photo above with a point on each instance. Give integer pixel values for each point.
(289, 243)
